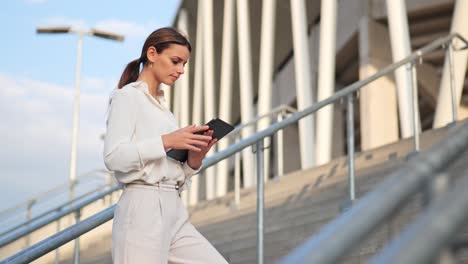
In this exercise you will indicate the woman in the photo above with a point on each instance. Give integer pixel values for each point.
(151, 224)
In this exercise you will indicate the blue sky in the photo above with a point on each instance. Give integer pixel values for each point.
(37, 75)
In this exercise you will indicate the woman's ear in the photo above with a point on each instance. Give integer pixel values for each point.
(151, 54)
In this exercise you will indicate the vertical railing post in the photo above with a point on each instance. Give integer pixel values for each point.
(237, 171)
(280, 145)
(350, 141)
(260, 201)
(413, 94)
(415, 106)
(29, 217)
(76, 257)
(57, 251)
(452, 83)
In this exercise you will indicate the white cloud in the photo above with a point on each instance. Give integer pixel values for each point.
(95, 85)
(35, 133)
(126, 28)
(63, 21)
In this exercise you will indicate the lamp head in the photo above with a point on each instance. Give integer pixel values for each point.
(53, 30)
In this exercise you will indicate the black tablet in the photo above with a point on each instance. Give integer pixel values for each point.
(220, 129)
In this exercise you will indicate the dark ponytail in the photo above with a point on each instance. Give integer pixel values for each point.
(161, 39)
(130, 74)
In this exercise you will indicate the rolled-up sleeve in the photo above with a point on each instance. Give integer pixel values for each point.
(188, 171)
(120, 152)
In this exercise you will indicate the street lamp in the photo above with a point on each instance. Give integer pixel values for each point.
(80, 33)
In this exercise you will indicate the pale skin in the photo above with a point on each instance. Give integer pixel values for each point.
(166, 67)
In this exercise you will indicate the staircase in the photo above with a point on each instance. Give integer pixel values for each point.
(296, 206)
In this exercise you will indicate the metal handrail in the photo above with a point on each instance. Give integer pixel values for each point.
(41, 195)
(435, 228)
(279, 109)
(61, 238)
(379, 204)
(71, 233)
(58, 208)
(22, 232)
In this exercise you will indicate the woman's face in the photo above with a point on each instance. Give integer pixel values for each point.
(169, 65)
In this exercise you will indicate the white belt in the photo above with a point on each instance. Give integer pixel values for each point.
(156, 186)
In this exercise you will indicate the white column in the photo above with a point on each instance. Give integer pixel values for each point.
(167, 94)
(177, 101)
(443, 114)
(209, 86)
(303, 81)
(400, 40)
(197, 94)
(246, 86)
(225, 96)
(326, 80)
(184, 81)
(378, 98)
(265, 82)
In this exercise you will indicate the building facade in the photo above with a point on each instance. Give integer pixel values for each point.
(256, 62)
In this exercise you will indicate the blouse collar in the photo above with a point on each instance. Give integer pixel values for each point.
(143, 86)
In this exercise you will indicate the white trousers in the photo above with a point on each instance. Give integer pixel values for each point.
(151, 225)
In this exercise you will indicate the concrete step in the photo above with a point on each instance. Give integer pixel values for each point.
(281, 216)
(306, 220)
(289, 237)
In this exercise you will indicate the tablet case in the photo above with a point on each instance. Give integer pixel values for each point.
(220, 129)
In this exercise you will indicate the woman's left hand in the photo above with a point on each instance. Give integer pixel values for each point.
(195, 158)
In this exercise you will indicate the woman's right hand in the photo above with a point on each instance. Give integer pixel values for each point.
(185, 138)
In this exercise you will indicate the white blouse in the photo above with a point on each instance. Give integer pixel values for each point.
(133, 146)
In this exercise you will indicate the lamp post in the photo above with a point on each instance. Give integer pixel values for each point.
(76, 110)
